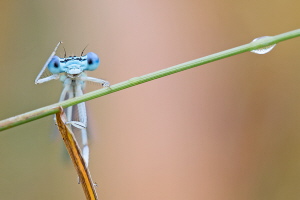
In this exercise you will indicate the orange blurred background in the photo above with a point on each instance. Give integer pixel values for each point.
(226, 130)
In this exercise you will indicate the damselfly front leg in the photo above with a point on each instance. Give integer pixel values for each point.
(53, 76)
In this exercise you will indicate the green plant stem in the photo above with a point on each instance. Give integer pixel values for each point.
(52, 109)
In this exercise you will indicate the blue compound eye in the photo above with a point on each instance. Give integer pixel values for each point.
(93, 61)
(54, 65)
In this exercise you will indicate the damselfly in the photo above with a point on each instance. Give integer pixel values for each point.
(70, 71)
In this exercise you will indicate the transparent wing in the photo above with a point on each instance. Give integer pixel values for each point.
(81, 135)
(73, 113)
(77, 117)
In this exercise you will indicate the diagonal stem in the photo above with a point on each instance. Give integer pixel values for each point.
(54, 108)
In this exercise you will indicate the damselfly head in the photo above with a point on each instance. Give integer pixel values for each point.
(74, 65)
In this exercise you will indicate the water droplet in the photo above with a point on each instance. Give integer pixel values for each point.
(265, 49)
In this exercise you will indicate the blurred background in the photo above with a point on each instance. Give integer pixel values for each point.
(226, 130)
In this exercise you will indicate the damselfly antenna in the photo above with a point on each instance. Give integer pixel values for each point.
(83, 50)
(65, 55)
